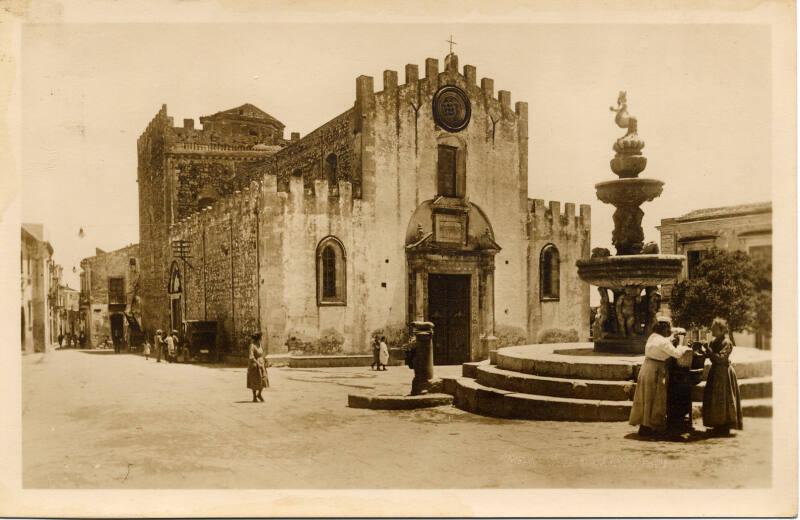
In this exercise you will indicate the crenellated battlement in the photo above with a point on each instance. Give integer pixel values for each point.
(160, 119)
(434, 78)
(539, 212)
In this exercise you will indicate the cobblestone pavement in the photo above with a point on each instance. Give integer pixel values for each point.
(95, 419)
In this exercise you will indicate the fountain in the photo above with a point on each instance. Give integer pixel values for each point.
(596, 382)
(634, 274)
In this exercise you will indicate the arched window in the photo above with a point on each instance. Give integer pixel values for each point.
(331, 272)
(549, 272)
(331, 175)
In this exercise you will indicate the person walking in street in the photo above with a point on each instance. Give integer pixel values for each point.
(159, 345)
(169, 342)
(383, 354)
(176, 344)
(649, 410)
(376, 352)
(257, 379)
(722, 406)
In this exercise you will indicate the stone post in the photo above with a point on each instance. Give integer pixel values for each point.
(423, 358)
(419, 303)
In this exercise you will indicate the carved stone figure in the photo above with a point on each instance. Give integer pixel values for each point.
(650, 248)
(653, 304)
(628, 236)
(626, 310)
(600, 252)
(603, 311)
(623, 119)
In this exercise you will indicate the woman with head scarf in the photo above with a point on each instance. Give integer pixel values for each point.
(649, 410)
(257, 368)
(722, 406)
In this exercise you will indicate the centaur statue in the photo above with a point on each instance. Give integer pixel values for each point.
(623, 119)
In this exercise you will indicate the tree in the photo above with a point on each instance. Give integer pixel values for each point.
(723, 285)
(762, 280)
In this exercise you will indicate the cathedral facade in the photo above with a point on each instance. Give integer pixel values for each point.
(410, 205)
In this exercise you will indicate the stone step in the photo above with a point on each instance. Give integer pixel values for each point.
(519, 382)
(470, 369)
(472, 396)
(749, 389)
(567, 367)
(750, 408)
(398, 402)
(580, 363)
(492, 376)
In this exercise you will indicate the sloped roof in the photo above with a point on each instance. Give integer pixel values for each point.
(727, 211)
(35, 230)
(246, 111)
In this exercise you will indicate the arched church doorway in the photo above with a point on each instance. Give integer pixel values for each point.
(175, 290)
(450, 252)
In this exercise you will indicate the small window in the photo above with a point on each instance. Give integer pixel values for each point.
(331, 272)
(116, 291)
(549, 272)
(693, 259)
(446, 166)
(761, 254)
(132, 262)
(332, 175)
(283, 184)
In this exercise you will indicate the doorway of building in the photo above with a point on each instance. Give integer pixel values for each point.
(176, 317)
(117, 330)
(449, 310)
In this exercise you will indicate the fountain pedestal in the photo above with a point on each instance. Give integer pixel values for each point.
(628, 282)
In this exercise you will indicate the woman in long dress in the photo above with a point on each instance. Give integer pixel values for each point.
(383, 354)
(649, 410)
(722, 406)
(257, 368)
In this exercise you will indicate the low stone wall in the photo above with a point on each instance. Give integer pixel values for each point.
(344, 360)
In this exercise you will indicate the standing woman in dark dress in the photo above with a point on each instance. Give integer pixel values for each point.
(257, 368)
(722, 407)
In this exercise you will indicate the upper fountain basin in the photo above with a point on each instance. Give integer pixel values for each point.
(626, 192)
(617, 272)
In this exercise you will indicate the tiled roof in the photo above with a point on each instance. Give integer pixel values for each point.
(247, 110)
(727, 211)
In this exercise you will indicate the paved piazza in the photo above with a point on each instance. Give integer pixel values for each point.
(93, 419)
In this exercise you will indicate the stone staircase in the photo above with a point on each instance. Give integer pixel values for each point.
(569, 382)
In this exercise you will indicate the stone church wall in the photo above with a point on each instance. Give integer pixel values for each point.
(404, 158)
(571, 234)
(254, 250)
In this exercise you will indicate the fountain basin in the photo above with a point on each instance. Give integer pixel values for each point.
(629, 192)
(617, 272)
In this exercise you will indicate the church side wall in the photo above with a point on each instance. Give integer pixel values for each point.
(571, 234)
(220, 279)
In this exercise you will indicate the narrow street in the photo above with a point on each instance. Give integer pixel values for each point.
(95, 419)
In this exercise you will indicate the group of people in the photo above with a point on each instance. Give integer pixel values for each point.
(722, 409)
(380, 353)
(167, 346)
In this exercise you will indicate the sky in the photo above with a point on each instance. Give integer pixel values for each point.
(701, 93)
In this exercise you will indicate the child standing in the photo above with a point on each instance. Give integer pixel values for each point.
(376, 350)
(722, 407)
(146, 349)
(383, 354)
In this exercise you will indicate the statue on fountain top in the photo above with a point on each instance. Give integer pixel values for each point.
(623, 119)
(628, 161)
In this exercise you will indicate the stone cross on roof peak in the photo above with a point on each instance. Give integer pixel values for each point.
(451, 42)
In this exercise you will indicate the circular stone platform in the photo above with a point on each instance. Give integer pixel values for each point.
(570, 381)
